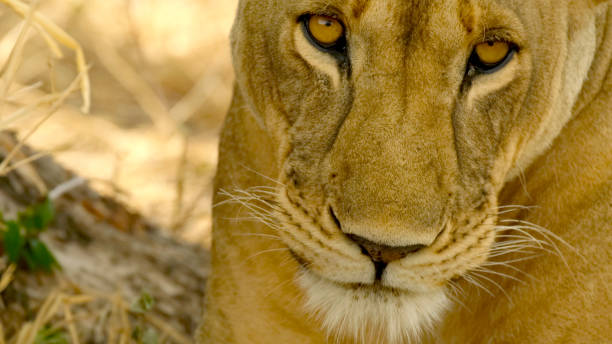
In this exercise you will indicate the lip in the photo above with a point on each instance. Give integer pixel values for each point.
(376, 287)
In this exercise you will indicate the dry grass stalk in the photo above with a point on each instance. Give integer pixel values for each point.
(28, 332)
(189, 210)
(22, 334)
(51, 43)
(7, 277)
(197, 97)
(79, 299)
(25, 161)
(54, 107)
(25, 110)
(113, 327)
(167, 330)
(24, 90)
(180, 184)
(58, 34)
(26, 171)
(126, 330)
(74, 336)
(9, 71)
(134, 83)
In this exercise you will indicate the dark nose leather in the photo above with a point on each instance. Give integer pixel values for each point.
(383, 253)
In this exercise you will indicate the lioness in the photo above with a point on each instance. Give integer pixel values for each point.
(412, 171)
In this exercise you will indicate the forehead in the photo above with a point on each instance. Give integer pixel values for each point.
(395, 12)
(451, 22)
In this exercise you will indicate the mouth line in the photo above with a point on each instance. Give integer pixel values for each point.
(376, 287)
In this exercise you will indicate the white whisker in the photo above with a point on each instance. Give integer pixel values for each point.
(266, 236)
(489, 271)
(503, 253)
(529, 238)
(261, 175)
(517, 260)
(275, 289)
(495, 284)
(455, 293)
(511, 246)
(266, 251)
(548, 235)
(518, 229)
(511, 267)
(471, 279)
(547, 232)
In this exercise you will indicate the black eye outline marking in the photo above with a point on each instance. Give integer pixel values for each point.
(480, 67)
(337, 49)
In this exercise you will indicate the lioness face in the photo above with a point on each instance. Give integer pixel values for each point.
(398, 123)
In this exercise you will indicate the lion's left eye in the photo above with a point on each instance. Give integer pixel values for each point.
(325, 32)
(489, 57)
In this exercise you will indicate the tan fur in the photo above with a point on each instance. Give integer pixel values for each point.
(506, 178)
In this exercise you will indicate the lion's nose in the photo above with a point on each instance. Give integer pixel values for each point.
(382, 255)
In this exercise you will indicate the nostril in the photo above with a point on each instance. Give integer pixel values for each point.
(382, 253)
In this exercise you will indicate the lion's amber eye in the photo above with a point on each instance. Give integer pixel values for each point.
(491, 56)
(326, 31)
(491, 53)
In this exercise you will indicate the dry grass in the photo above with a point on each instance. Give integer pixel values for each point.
(59, 307)
(129, 94)
(160, 78)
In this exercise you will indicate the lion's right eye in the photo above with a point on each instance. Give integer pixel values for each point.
(490, 57)
(326, 33)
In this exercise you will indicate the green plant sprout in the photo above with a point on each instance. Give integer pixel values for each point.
(143, 334)
(49, 335)
(20, 237)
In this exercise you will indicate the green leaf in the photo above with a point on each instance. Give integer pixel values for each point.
(137, 333)
(150, 336)
(43, 214)
(40, 256)
(29, 259)
(26, 220)
(144, 304)
(38, 217)
(13, 241)
(49, 335)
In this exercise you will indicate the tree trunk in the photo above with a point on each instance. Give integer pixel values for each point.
(109, 258)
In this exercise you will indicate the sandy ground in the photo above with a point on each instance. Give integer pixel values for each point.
(161, 81)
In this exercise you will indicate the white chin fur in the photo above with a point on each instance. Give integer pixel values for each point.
(367, 315)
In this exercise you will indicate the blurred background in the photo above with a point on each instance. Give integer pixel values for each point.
(161, 82)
